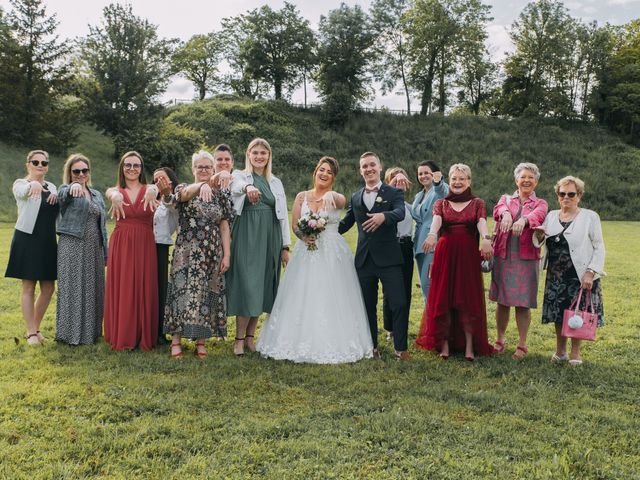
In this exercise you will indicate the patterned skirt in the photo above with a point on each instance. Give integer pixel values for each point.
(514, 281)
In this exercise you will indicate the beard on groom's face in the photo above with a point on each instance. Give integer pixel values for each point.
(370, 169)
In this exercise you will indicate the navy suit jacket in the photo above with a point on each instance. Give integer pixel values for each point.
(382, 244)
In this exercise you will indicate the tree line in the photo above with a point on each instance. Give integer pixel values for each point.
(435, 51)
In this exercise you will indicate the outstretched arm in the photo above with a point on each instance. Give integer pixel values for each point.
(348, 220)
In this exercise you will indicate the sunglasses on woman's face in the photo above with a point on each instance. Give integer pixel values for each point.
(78, 171)
(567, 194)
(37, 163)
(132, 166)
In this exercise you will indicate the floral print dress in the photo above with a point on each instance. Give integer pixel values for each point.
(562, 284)
(196, 305)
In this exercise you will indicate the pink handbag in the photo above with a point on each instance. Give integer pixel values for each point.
(580, 324)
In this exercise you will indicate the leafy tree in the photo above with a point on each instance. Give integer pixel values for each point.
(432, 31)
(476, 79)
(476, 73)
(617, 99)
(234, 37)
(198, 61)
(130, 67)
(278, 47)
(344, 55)
(391, 57)
(536, 77)
(597, 44)
(35, 110)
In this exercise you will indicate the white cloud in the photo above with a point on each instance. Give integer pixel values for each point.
(622, 2)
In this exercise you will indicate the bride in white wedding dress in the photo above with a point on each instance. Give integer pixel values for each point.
(318, 315)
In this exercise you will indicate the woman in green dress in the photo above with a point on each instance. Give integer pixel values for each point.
(260, 242)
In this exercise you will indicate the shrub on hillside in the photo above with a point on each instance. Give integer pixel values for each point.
(173, 147)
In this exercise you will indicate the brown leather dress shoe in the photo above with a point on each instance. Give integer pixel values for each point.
(403, 356)
(376, 353)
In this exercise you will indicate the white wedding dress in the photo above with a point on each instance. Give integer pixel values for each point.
(318, 315)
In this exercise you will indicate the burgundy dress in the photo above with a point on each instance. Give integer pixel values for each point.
(456, 296)
(131, 297)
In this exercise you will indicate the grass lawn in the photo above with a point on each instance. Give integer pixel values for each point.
(82, 412)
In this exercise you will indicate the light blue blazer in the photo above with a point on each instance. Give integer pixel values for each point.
(422, 213)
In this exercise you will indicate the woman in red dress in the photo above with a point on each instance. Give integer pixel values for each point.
(455, 318)
(131, 297)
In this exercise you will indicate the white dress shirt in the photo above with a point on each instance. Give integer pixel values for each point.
(405, 227)
(369, 198)
(165, 223)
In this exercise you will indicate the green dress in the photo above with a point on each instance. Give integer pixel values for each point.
(256, 245)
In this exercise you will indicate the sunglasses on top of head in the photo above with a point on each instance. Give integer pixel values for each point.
(37, 163)
(567, 194)
(78, 171)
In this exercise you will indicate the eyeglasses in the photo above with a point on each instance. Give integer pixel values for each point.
(132, 166)
(204, 168)
(78, 171)
(567, 194)
(37, 163)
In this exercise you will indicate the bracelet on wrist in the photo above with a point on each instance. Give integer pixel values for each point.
(286, 247)
(431, 233)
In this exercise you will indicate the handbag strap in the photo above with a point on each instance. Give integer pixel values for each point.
(576, 300)
(589, 302)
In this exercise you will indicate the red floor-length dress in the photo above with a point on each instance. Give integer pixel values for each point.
(131, 298)
(456, 296)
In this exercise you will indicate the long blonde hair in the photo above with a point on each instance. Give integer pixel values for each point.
(248, 168)
(68, 165)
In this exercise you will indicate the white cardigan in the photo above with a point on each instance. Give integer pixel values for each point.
(584, 237)
(241, 179)
(28, 207)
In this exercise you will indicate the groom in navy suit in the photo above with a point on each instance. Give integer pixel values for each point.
(377, 208)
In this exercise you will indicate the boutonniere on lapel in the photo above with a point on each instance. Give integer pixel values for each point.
(379, 199)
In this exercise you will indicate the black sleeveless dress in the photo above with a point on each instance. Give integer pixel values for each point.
(35, 256)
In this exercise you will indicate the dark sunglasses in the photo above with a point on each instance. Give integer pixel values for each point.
(567, 194)
(78, 171)
(132, 166)
(37, 163)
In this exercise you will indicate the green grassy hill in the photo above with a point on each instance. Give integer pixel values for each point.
(492, 147)
(97, 147)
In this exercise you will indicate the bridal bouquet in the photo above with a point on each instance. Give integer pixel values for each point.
(312, 224)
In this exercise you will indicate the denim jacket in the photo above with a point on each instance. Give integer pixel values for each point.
(74, 212)
(422, 213)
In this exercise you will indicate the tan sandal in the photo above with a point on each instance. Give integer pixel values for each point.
(33, 343)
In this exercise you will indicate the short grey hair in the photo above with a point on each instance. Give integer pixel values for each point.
(200, 155)
(461, 167)
(532, 167)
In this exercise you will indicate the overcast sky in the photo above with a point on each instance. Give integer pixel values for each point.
(185, 18)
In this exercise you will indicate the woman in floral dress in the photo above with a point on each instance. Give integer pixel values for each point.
(196, 298)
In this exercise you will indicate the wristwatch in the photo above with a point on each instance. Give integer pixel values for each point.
(286, 247)
(487, 237)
